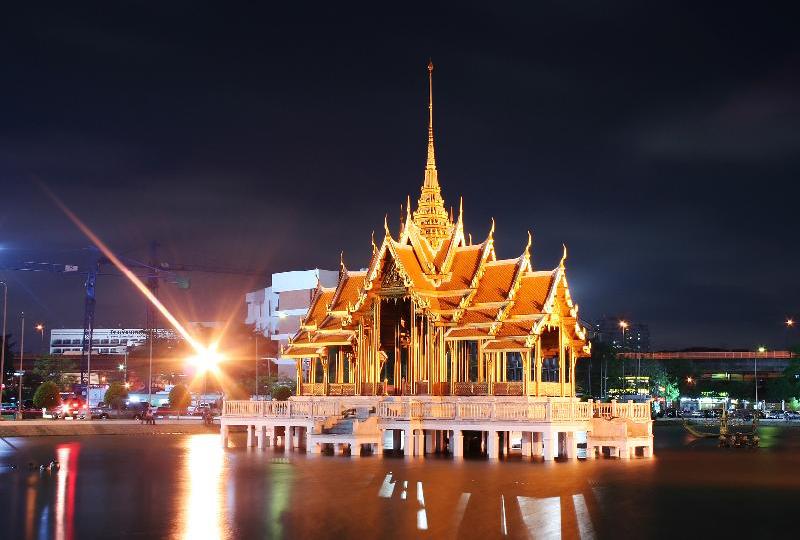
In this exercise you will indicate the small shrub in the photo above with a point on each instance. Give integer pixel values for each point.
(281, 393)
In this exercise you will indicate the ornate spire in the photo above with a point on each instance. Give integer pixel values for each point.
(431, 164)
(431, 215)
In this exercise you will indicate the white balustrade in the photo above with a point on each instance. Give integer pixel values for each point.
(550, 410)
(471, 410)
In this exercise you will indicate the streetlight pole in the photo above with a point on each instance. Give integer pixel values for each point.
(21, 355)
(40, 328)
(3, 351)
(755, 373)
(150, 372)
(623, 325)
(257, 392)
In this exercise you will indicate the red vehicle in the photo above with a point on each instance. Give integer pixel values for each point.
(165, 411)
(73, 407)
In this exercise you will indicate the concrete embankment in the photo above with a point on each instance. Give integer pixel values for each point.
(38, 428)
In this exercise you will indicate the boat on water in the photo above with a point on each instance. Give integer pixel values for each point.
(728, 437)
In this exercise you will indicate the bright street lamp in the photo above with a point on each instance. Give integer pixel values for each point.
(40, 328)
(790, 322)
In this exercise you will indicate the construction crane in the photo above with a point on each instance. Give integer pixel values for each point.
(155, 271)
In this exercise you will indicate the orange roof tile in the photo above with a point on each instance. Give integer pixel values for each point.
(514, 330)
(331, 323)
(465, 264)
(318, 310)
(472, 316)
(347, 291)
(496, 281)
(443, 249)
(411, 265)
(532, 293)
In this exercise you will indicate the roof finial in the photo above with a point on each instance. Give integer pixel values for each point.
(431, 164)
(564, 256)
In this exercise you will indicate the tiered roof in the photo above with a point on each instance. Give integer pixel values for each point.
(460, 286)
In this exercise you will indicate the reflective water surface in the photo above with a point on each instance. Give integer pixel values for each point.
(175, 486)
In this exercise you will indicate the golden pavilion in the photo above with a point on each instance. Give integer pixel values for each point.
(436, 314)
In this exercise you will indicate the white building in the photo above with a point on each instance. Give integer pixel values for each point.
(276, 311)
(104, 340)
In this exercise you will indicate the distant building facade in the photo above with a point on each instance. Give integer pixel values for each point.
(276, 311)
(724, 365)
(635, 338)
(68, 341)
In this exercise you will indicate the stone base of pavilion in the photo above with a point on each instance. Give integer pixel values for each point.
(548, 427)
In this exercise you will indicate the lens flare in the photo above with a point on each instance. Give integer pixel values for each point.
(133, 278)
(207, 359)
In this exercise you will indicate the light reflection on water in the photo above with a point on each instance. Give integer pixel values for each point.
(201, 514)
(67, 457)
(189, 487)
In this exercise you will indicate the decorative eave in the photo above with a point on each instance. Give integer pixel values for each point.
(299, 352)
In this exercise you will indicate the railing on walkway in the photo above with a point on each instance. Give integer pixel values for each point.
(638, 412)
(458, 409)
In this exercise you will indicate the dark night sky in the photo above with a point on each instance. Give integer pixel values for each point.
(659, 141)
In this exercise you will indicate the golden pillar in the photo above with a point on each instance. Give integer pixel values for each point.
(537, 365)
(526, 371)
(561, 371)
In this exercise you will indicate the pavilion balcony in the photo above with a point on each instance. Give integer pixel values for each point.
(491, 409)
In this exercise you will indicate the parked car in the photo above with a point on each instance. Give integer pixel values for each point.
(129, 411)
(199, 410)
(776, 414)
(165, 411)
(793, 415)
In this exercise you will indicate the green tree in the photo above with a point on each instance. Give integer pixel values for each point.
(5, 377)
(115, 395)
(281, 393)
(52, 368)
(47, 396)
(179, 397)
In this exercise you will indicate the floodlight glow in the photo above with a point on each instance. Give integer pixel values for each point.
(207, 359)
